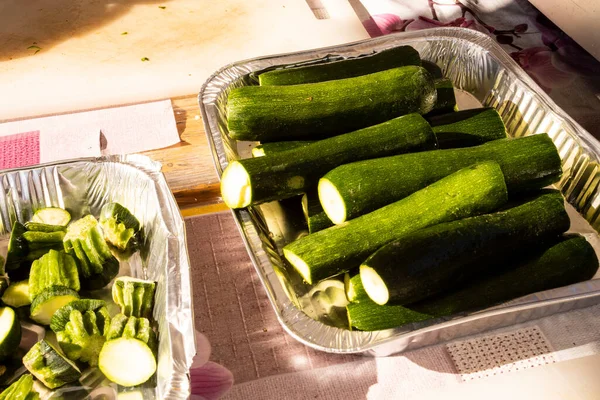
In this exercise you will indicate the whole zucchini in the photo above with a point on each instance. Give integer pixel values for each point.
(422, 264)
(386, 59)
(324, 109)
(473, 190)
(570, 261)
(354, 189)
(292, 172)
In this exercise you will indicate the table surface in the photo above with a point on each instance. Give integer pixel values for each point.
(188, 165)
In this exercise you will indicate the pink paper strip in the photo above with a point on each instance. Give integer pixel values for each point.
(19, 150)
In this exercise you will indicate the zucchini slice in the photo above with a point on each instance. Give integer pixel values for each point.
(324, 109)
(475, 190)
(40, 227)
(62, 316)
(293, 172)
(44, 237)
(350, 190)
(10, 332)
(52, 216)
(49, 366)
(48, 301)
(17, 294)
(127, 361)
(119, 225)
(385, 59)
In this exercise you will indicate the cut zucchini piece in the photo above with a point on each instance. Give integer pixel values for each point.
(97, 265)
(82, 337)
(134, 296)
(10, 332)
(17, 294)
(270, 148)
(475, 190)
(316, 219)
(49, 366)
(468, 127)
(56, 268)
(22, 389)
(350, 190)
(40, 227)
(48, 301)
(119, 225)
(17, 247)
(52, 216)
(127, 361)
(62, 316)
(44, 237)
(325, 109)
(121, 215)
(355, 291)
(385, 59)
(282, 175)
(446, 100)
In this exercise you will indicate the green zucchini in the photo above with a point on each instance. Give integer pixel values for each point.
(422, 264)
(48, 301)
(41, 227)
(434, 70)
(134, 296)
(83, 335)
(85, 242)
(355, 291)
(49, 366)
(46, 238)
(17, 294)
(62, 315)
(354, 189)
(324, 109)
(22, 389)
(56, 268)
(468, 127)
(316, 219)
(570, 261)
(270, 148)
(119, 225)
(51, 216)
(292, 172)
(446, 100)
(473, 190)
(17, 247)
(352, 67)
(10, 332)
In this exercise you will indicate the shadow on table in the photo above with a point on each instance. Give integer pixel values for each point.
(27, 27)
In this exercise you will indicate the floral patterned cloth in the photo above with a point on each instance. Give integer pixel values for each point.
(556, 62)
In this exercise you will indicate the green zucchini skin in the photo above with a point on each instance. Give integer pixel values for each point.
(270, 148)
(296, 171)
(421, 264)
(386, 59)
(528, 163)
(477, 189)
(316, 219)
(570, 261)
(446, 100)
(468, 127)
(355, 291)
(325, 109)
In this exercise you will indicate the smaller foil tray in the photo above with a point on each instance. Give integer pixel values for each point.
(483, 74)
(82, 187)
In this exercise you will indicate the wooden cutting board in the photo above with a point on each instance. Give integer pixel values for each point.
(60, 55)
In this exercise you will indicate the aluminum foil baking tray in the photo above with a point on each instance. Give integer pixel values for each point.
(483, 75)
(83, 186)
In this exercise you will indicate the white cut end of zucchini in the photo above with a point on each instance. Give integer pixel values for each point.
(236, 188)
(374, 285)
(299, 265)
(258, 152)
(52, 216)
(127, 362)
(305, 206)
(8, 319)
(44, 312)
(349, 287)
(331, 201)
